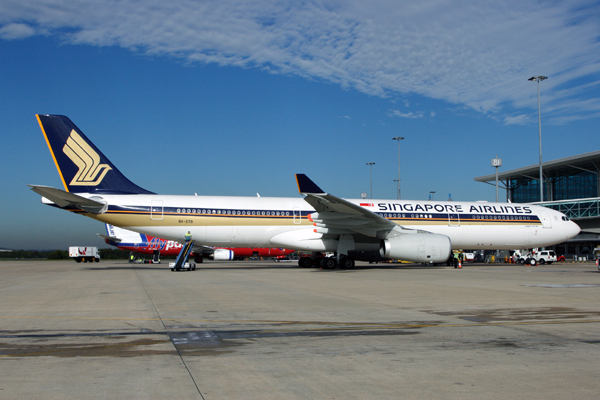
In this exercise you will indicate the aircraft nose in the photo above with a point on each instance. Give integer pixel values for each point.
(575, 229)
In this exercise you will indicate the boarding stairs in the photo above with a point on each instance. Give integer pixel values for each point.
(181, 261)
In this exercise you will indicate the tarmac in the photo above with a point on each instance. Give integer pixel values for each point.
(265, 330)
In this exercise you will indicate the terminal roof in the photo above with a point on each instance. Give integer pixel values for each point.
(564, 166)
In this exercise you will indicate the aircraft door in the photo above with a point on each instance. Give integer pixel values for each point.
(156, 210)
(453, 219)
(297, 215)
(546, 222)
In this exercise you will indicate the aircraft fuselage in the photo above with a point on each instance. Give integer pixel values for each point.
(256, 221)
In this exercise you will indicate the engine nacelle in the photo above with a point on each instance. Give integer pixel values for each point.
(417, 247)
(222, 255)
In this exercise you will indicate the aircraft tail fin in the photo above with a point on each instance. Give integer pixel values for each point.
(81, 165)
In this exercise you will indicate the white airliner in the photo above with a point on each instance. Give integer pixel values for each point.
(419, 231)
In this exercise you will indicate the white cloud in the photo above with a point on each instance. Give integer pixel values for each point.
(16, 31)
(476, 54)
(517, 119)
(397, 113)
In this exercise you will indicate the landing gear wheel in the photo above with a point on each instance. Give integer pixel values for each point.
(347, 263)
(305, 262)
(327, 263)
(330, 263)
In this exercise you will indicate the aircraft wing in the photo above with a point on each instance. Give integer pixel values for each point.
(338, 216)
(65, 199)
(199, 249)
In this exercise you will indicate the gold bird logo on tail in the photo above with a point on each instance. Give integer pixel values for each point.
(91, 172)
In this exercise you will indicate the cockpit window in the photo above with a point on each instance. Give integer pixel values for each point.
(565, 218)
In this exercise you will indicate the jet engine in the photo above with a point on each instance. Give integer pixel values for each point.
(222, 255)
(417, 247)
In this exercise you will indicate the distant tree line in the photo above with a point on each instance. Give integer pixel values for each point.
(41, 254)
(105, 254)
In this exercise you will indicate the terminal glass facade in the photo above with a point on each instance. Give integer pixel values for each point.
(563, 187)
(524, 190)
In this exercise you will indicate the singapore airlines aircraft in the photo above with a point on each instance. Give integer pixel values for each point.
(419, 231)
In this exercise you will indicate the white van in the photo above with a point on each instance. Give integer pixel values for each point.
(545, 256)
(540, 257)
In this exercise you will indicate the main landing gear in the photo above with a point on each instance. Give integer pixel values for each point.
(320, 261)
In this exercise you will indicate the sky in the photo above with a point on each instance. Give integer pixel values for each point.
(234, 97)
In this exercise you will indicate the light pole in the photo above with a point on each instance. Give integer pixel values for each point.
(371, 165)
(398, 138)
(496, 162)
(431, 194)
(538, 79)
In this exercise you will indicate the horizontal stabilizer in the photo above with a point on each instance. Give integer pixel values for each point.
(111, 238)
(65, 199)
(305, 185)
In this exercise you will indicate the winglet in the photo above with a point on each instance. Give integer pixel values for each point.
(305, 185)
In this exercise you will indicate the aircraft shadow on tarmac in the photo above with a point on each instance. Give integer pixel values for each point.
(246, 267)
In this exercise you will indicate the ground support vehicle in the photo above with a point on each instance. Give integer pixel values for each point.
(181, 263)
(534, 257)
(187, 266)
(83, 253)
(545, 256)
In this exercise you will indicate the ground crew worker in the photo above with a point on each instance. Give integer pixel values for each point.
(188, 237)
(455, 255)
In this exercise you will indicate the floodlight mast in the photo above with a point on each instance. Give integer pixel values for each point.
(371, 165)
(398, 138)
(538, 79)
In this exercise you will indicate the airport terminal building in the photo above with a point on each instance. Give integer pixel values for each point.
(571, 186)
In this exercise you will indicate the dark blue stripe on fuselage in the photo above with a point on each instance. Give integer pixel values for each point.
(397, 217)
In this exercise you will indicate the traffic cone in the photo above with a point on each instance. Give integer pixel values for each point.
(596, 262)
(459, 264)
